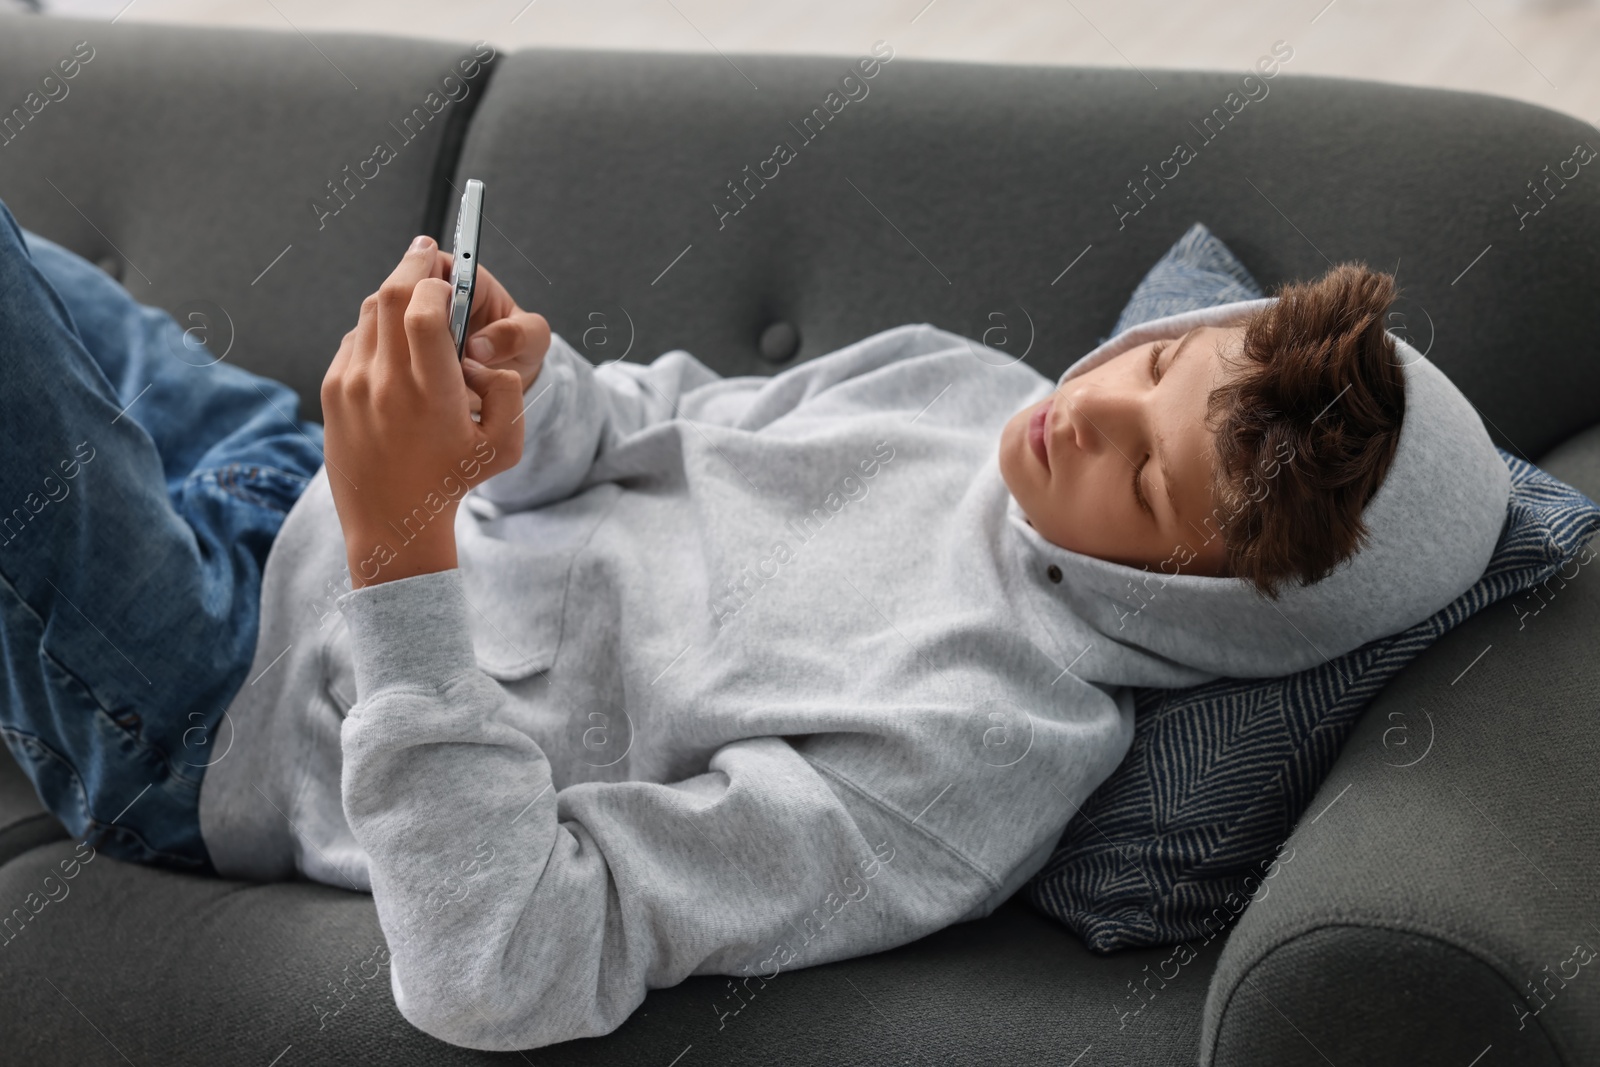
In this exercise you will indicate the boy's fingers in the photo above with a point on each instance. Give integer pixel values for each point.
(394, 298)
(364, 337)
(338, 367)
(524, 332)
(427, 332)
(501, 391)
(497, 341)
(490, 301)
(443, 264)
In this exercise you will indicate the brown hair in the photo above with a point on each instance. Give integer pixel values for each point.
(1306, 427)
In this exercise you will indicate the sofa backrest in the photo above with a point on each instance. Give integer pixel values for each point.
(996, 202)
(642, 201)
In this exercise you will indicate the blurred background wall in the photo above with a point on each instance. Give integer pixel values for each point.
(1543, 51)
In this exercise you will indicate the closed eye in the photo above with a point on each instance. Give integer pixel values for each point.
(1138, 472)
(1155, 357)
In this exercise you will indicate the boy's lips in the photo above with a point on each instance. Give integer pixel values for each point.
(1038, 440)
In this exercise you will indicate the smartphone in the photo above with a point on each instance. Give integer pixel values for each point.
(464, 270)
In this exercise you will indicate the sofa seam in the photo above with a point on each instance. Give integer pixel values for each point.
(452, 145)
(29, 821)
(37, 846)
(1488, 959)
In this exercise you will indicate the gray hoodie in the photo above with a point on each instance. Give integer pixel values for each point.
(738, 675)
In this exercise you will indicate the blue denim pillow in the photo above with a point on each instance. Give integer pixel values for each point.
(1165, 850)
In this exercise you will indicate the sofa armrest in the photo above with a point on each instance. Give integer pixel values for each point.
(1439, 895)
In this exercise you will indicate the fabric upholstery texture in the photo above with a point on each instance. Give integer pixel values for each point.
(1409, 1012)
(24, 822)
(182, 969)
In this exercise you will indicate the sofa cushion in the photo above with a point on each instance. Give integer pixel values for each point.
(178, 969)
(1182, 835)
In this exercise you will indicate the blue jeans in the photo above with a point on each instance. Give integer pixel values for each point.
(141, 485)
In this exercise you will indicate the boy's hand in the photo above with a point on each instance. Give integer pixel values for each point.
(401, 445)
(499, 333)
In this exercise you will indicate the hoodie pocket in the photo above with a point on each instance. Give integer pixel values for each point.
(506, 648)
(515, 577)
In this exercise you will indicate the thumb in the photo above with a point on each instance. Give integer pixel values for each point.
(501, 392)
(524, 333)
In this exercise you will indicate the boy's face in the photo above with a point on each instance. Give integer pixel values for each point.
(1117, 463)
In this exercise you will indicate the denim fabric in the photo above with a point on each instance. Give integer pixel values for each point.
(142, 481)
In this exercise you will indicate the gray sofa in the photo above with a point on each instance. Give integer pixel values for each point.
(1441, 879)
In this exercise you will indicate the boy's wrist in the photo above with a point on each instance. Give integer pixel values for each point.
(385, 554)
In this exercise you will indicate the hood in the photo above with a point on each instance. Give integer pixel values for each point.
(1433, 523)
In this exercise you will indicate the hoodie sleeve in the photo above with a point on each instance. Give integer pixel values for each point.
(518, 916)
(574, 413)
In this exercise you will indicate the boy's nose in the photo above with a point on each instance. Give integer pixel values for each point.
(1099, 417)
